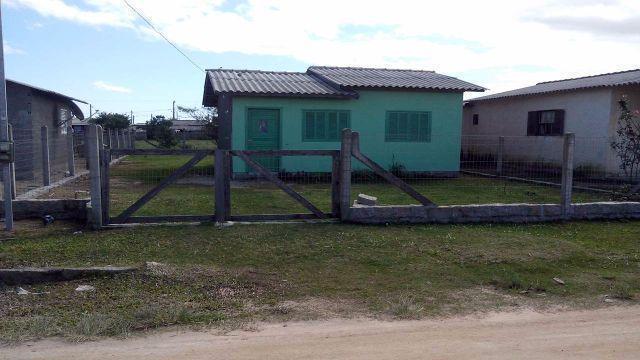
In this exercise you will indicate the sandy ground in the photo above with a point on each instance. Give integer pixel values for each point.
(612, 333)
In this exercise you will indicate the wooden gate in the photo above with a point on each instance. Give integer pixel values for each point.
(340, 183)
(223, 160)
(127, 216)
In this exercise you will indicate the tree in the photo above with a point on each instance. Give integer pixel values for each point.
(159, 129)
(626, 144)
(111, 120)
(207, 116)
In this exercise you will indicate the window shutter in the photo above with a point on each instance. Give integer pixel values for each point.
(309, 125)
(344, 121)
(532, 124)
(558, 124)
(425, 127)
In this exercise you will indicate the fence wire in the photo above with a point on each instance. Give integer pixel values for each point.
(471, 170)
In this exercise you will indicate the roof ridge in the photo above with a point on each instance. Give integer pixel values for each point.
(261, 71)
(587, 77)
(367, 68)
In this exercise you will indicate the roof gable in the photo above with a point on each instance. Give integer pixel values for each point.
(56, 95)
(324, 82)
(269, 83)
(630, 77)
(354, 77)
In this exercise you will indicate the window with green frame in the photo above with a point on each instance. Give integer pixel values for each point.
(408, 126)
(324, 125)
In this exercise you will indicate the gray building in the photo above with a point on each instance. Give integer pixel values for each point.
(533, 119)
(29, 109)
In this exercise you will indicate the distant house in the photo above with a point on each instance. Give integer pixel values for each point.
(407, 117)
(79, 125)
(187, 125)
(541, 114)
(30, 108)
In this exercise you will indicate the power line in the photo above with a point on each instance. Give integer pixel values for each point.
(162, 35)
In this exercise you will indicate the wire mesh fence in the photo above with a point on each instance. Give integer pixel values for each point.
(134, 175)
(477, 170)
(470, 170)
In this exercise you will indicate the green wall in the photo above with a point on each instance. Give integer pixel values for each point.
(368, 113)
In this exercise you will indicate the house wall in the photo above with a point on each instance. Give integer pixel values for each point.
(588, 114)
(368, 113)
(45, 112)
(28, 112)
(19, 112)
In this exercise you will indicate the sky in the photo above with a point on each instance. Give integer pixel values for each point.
(102, 52)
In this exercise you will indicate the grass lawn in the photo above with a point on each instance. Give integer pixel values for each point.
(134, 176)
(232, 276)
(194, 144)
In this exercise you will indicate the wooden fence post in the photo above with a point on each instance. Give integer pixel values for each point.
(46, 168)
(567, 173)
(12, 166)
(345, 174)
(71, 162)
(219, 176)
(93, 159)
(500, 157)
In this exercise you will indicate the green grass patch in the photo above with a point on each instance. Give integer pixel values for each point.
(217, 276)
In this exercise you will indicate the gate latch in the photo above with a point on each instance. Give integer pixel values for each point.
(7, 153)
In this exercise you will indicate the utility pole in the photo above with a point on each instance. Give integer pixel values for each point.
(131, 117)
(7, 148)
(174, 110)
(90, 111)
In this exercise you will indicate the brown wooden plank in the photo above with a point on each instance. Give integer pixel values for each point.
(164, 183)
(120, 152)
(227, 182)
(272, 217)
(219, 180)
(392, 179)
(279, 183)
(291, 152)
(164, 218)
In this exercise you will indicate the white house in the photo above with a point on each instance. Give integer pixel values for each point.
(533, 119)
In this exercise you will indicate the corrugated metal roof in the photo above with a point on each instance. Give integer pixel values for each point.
(74, 107)
(630, 77)
(353, 77)
(271, 83)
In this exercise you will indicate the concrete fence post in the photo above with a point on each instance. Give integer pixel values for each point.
(12, 166)
(118, 134)
(110, 133)
(345, 174)
(567, 174)
(71, 162)
(93, 159)
(46, 167)
(500, 156)
(132, 139)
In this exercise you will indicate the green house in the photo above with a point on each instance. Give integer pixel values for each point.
(405, 117)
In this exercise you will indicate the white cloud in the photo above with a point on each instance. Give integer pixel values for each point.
(110, 87)
(35, 25)
(518, 42)
(10, 50)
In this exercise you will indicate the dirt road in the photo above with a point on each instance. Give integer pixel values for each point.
(612, 333)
